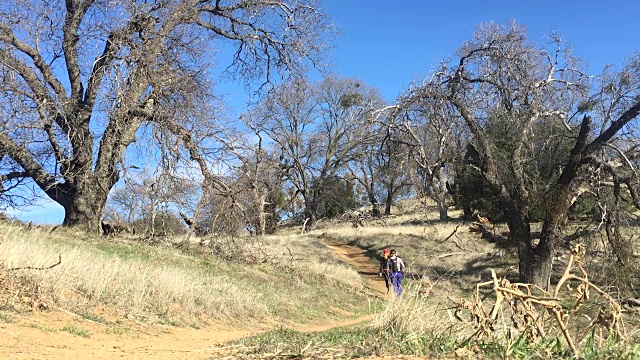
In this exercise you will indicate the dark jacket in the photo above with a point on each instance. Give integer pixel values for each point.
(384, 265)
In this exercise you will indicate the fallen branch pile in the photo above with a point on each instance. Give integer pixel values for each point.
(577, 309)
(483, 226)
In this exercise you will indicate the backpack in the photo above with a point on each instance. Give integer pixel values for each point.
(393, 265)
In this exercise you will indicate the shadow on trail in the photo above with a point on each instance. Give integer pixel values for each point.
(478, 267)
(375, 253)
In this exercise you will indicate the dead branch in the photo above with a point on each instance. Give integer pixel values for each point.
(38, 268)
(442, 256)
(304, 226)
(482, 226)
(453, 233)
(460, 246)
(528, 305)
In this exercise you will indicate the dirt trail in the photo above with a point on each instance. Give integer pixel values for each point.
(358, 258)
(40, 336)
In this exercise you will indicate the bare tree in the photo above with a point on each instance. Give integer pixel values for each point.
(381, 168)
(318, 128)
(516, 100)
(148, 199)
(81, 78)
(257, 176)
(433, 143)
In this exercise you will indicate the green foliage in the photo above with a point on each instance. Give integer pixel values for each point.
(96, 318)
(547, 147)
(42, 328)
(474, 192)
(5, 317)
(354, 342)
(132, 251)
(76, 330)
(587, 204)
(335, 195)
(586, 106)
(363, 341)
(348, 100)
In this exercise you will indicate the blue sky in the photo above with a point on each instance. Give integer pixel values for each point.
(388, 44)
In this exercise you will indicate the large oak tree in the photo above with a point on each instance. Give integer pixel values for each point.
(79, 79)
(539, 127)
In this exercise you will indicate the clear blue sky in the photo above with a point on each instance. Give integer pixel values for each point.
(387, 44)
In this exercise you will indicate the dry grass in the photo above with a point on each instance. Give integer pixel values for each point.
(418, 315)
(307, 254)
(137, 288)
(150, 283)
(454, 264)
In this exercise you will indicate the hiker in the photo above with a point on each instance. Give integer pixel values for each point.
(396, 268)
(384, 268)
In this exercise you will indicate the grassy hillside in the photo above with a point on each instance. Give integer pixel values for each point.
(246, 281)
(445, 262)
(279, 282)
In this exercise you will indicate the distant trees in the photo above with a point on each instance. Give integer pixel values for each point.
(319, 128)
(148, 202)
(537, 131)
(432, 141)
(80, 79)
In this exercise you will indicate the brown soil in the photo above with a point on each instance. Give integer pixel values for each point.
(40, 335)
(366, 267)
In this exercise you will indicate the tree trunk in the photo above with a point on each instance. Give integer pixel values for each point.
(388, 202)
(444, 214)
(439, 184)
(375, 207)
(261, 198)
(309, 213)
(309, 219)
(467, 213)
(535, 265)
(84, 207)
(535, 261)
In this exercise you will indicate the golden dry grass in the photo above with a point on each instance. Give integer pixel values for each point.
(138, 288)
(150, 283)
(417, 314)
(452, 265)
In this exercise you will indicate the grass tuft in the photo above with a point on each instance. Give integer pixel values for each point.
(6, 317)
(76, 330)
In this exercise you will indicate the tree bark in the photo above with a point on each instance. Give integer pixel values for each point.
(535, 264)
(261, 200)
(535, 260)
(375, 207)
(309, 213)
(440, 186)
(444, 215)
(84, 207)
(388, 202)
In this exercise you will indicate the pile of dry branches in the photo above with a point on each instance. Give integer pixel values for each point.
(576, 308)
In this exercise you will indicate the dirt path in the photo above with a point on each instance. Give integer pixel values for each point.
(40, 335)
(358, 258)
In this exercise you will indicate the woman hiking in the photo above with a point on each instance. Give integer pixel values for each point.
(384, 268)
(396, 269)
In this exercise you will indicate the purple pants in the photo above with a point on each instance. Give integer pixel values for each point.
(396, 278)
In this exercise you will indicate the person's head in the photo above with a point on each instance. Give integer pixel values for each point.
(392, 252)
(385, 253)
